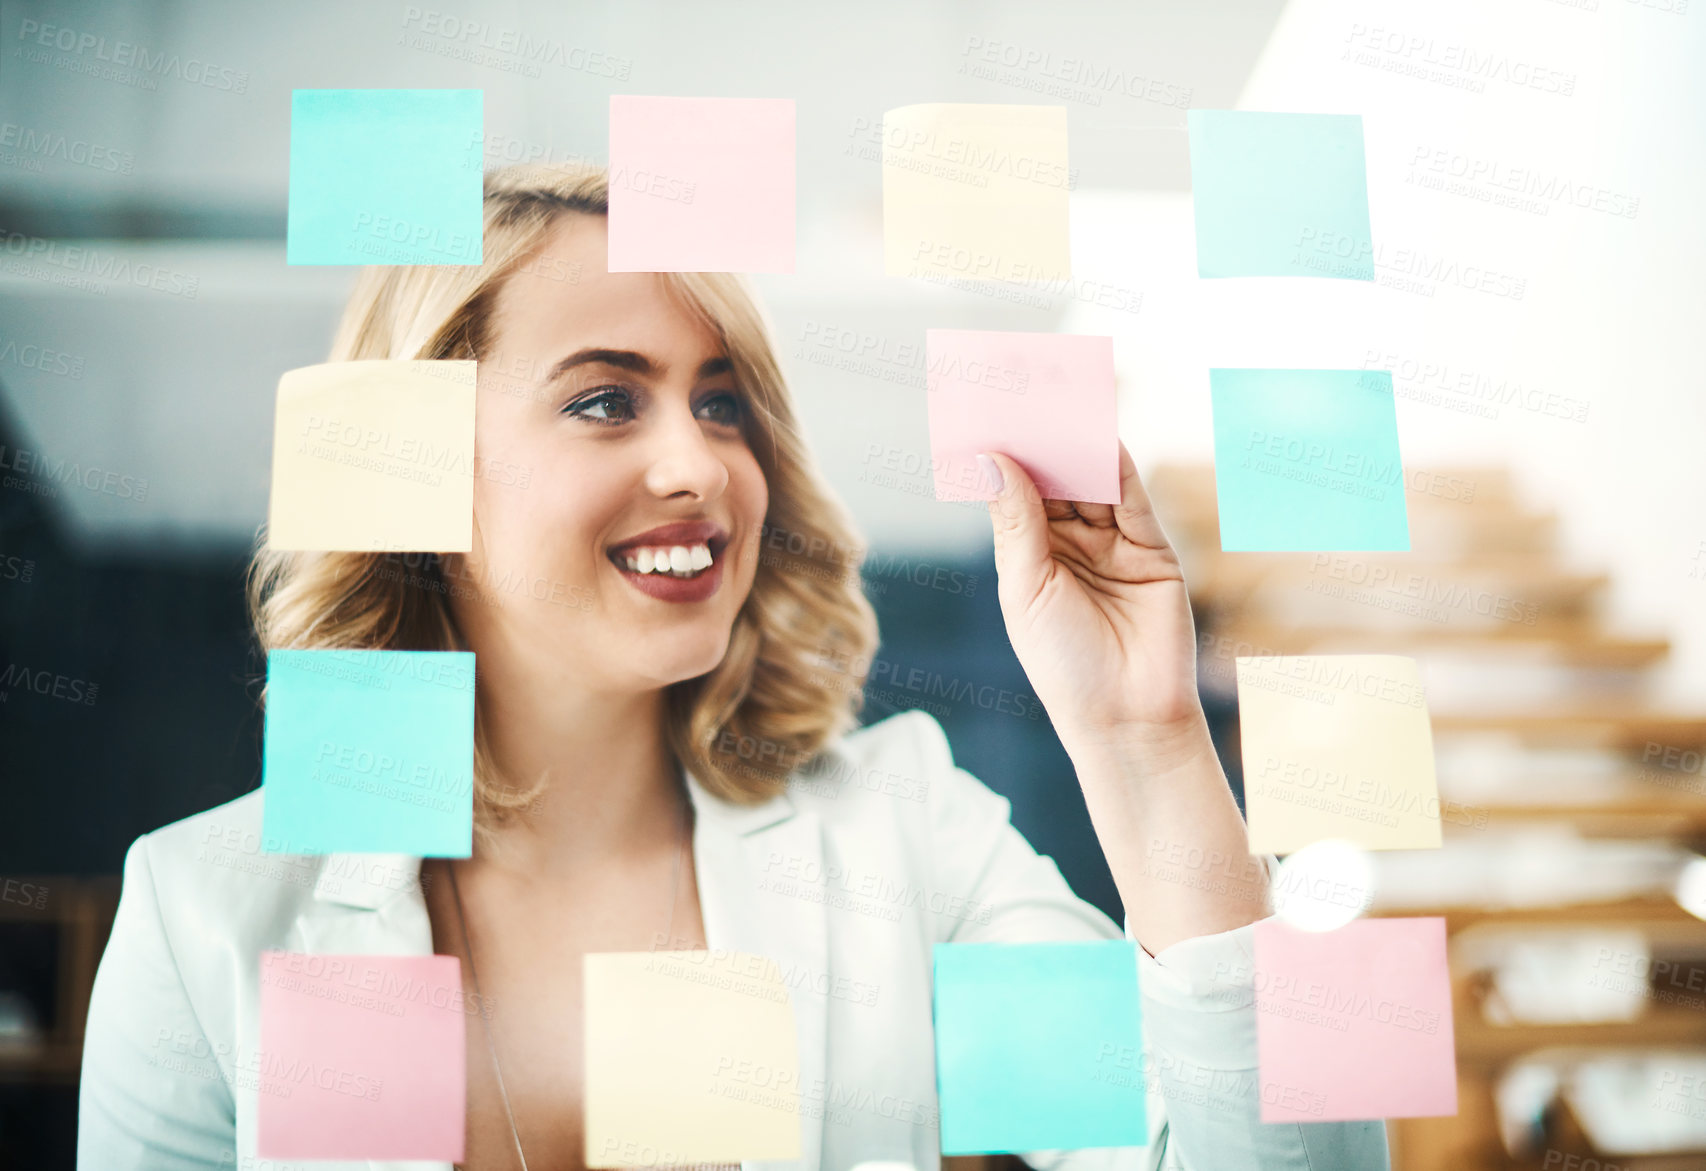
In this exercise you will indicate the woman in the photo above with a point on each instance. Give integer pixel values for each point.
(690, 638)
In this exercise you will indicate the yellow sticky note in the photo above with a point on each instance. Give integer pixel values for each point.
(1337, 746)
(976, 192)
(375, 455)
(690, 1058)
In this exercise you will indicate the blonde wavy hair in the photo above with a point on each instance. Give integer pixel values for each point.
(791, 680)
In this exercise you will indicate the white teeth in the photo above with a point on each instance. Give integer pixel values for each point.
(676, 560)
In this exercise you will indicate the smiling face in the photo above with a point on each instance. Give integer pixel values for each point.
(610, 434)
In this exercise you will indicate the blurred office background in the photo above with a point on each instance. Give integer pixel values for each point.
(1535, 178)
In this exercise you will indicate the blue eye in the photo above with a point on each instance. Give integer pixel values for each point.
(728, 402)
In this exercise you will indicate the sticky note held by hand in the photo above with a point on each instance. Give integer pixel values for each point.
(1354, 1024)
(1336, 746)
(976, 192)
(385, 176)
(361, 1057)
(673, 1040)
(1048, 400)
(1038, 1046)
(369, 752)
(1279, 194)
(701, 184)
(374, 455)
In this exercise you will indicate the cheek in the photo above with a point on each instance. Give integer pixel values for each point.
(501, 516)
(754, 499)
(550, 526)
(507, 483)
(754, 491)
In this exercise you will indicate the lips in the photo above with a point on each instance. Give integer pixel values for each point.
(698, 537)
(688, 533)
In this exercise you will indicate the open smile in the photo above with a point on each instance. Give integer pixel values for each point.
(680, 571)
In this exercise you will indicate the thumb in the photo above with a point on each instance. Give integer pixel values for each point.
(1021, 526)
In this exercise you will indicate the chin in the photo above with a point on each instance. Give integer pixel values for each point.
(685, 662)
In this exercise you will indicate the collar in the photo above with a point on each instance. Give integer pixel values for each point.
(369, 881)
(734, 846)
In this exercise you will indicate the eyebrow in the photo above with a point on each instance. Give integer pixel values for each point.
(629, 360)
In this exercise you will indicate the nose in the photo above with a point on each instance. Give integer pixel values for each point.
(682, 460)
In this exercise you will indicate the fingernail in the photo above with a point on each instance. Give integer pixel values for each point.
(991, 473)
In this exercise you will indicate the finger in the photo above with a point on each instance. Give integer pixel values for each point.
(1134, 514)
(1020, 523)
(1059, 509)
(1099, 516)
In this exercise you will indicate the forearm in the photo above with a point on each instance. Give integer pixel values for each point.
(1171, 832)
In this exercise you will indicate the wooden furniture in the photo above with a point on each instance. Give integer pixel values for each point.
(72, 918)
(1482, 587)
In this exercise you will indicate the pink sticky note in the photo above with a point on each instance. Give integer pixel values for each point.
(1354, 1024)
(362, 1057)
(1046, 399)
(701, 184)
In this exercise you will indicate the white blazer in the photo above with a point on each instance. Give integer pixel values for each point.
(846, 879)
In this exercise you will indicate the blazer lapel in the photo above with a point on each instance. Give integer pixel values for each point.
(368, 904)
(741, 854)
(372, 904)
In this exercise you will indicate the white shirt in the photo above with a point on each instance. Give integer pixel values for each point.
(847, 879)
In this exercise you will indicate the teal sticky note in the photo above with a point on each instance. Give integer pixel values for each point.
(369, 752)
(385, 176)
(1306, 461)
(1038, 1046)
(1280, 194)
